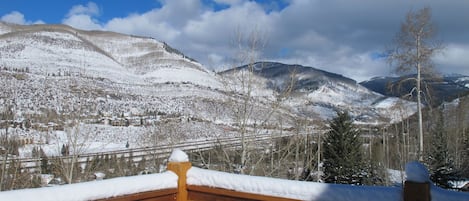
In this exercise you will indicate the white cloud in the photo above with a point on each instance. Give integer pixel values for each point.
(82, 21)
(165, 23)
(338, 36)
(82, 17)
(229, 2)
(144, 25)
(14, 17)
(217, 32)
(18, 18)
(89, 9)
(454, 59)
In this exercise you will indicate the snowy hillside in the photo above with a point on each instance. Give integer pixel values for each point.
(58, 49)
(125, 88)
(120, 88)
(316, 93)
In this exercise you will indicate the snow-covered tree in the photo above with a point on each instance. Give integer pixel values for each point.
(342, 156)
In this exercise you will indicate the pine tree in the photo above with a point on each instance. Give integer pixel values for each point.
(45, 169)
(440, 161)
(465, 168)
(342, 152)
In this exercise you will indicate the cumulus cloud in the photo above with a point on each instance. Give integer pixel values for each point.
(454, 59)
(229, 2)
(14, 17)
(18, 18)
(89, 9)
(83, 17)
(165, 23)
(146, 25)
(339, 36)
(220, 30)
(82, 21)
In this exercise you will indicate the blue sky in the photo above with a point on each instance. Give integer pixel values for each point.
(53, 11)
(340, 36)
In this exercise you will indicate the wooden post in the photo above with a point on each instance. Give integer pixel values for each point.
(414, 191)
(180, 168)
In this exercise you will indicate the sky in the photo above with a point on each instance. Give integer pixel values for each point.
(340, 36)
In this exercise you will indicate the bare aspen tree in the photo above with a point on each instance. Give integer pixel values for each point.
(248, 50)
(253, 113)
(412, 51)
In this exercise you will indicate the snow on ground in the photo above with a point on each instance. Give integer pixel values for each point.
(396, 177)
(4, 28)
(93, 138)
(340, 95)
(395, 109)
(95, 189)
(175, 74)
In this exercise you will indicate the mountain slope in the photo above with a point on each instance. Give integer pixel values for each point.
(320, 93)
(55, 74)
(59, 49)
(437, 90)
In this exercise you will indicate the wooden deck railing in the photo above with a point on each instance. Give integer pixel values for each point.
(183, 183)
(186, 192)
(412, 191)
(200, 193)
(158, 195)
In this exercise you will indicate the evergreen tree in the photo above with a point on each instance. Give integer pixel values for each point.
(465, 168)
(342, 152)
(45, 169)
(439, 160)
(375, 173)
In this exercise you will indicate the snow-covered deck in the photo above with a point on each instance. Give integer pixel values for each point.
(183, 182)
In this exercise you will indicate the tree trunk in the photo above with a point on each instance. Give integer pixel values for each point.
(419, 102)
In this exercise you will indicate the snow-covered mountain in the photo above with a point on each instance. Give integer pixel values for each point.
(437, 89)
(59, 49)
(317, 93)
(54, 73)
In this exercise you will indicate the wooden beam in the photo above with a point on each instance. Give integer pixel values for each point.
(201, 193)
(157, 195)
(414, 191)
(180, 168)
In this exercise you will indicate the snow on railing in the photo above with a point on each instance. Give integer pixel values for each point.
(95, 190)
(300, 190)
(417, 173)
(182, 182)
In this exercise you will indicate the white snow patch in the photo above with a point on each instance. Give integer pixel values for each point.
(290, 189)
(178, 156)
(96, 189)
(182, 74)
(396, 176)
